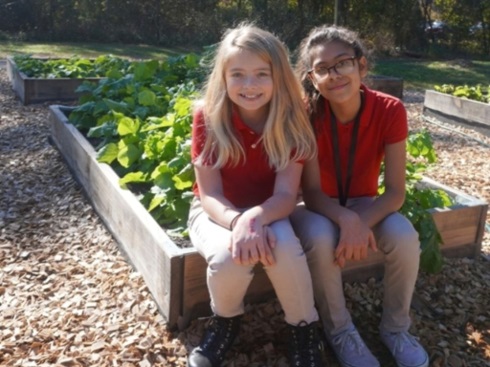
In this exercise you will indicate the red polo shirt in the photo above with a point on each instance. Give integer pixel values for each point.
(383, 121)
(249, 183)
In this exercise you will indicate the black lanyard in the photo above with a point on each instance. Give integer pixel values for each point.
(344, 189)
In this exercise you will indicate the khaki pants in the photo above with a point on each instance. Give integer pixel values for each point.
(395, 237)
(228, 282)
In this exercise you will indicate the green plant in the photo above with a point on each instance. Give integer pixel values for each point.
(73, 67)
(475, 93)
(141, 124)
(419, 199)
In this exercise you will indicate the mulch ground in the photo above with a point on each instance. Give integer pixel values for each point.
(68, 297)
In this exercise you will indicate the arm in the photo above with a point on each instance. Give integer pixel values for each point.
(355, 235)
(393, 197)
(213, 201)
(252, 238)
(250, 242)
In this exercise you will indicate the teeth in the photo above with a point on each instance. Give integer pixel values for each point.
(250, 96)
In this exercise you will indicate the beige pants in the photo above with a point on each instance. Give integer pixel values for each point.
(395, 237)
(228, 282)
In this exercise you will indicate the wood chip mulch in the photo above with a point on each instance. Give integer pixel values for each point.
(68, 297)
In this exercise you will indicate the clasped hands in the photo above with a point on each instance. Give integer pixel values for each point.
(252, 241)
(355, 239)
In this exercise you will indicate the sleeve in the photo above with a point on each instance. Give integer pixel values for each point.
(397, 127)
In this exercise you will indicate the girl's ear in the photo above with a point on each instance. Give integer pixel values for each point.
(363, 66)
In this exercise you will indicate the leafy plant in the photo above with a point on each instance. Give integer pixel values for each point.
(419, 199)
(141, 122)
(73, 67)
(475, 93)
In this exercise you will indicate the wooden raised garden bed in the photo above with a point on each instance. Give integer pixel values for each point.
(176, 276)
(386, 84)
(37, 90)
(458, 110)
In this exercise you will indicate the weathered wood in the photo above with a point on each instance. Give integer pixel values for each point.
(462, 225)
(36, 90)
(458, 109)
(147, 246)
(386, 84)
(176, 276)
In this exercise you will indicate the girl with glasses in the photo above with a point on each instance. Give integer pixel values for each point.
(344, 219)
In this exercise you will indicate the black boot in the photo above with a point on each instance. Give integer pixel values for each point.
(305, 347)
(217, 339)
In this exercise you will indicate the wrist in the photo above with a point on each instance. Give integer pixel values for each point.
(234, 220)
(347, 218)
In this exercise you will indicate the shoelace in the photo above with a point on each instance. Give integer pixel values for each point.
(351, 339)
(402, 339)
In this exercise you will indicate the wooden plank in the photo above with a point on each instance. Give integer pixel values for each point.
(386, 84)
(143, 241)
(36, 90)
(460, 108)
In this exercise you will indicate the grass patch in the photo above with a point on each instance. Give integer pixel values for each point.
(88, 50)
(424, 74)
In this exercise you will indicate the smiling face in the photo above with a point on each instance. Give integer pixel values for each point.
(340, 85)
(249, 84)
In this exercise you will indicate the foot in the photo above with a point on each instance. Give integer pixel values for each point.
(406, 350)
(350, 349)
(218, 338)
(305, 347)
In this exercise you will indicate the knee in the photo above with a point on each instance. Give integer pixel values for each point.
(316, 232)
(398, 233)
(222, 265)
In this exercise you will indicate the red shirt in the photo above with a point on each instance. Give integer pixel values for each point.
(249, 183)
(383, 121)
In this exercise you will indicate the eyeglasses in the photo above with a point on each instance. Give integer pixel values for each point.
(343, 67)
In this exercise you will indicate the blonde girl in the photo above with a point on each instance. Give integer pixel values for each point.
(250, 138)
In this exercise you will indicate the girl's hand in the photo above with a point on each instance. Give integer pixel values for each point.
(248, 242)
(355, 239)
(268, 257)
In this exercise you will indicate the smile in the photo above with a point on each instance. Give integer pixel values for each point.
(338, 86)
(250, 96)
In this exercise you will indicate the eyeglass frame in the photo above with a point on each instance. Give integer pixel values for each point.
(334, 67)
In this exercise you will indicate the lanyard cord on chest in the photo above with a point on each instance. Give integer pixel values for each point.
(343, 189)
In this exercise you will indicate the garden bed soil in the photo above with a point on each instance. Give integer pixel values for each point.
(38, 90)
(176, 276)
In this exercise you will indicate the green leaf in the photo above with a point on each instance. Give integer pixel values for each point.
(156, 201)
(108, 153)
(128, 154)
(147, 98)
(126, 126)
(133, 177)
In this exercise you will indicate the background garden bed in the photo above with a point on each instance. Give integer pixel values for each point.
(37, 90)
(386, 84)
(175, 275)
(458, 110)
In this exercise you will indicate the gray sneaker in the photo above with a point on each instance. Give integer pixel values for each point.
(406, 350)
(351, 350)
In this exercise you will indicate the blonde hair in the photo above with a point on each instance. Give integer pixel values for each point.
(287, 133)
